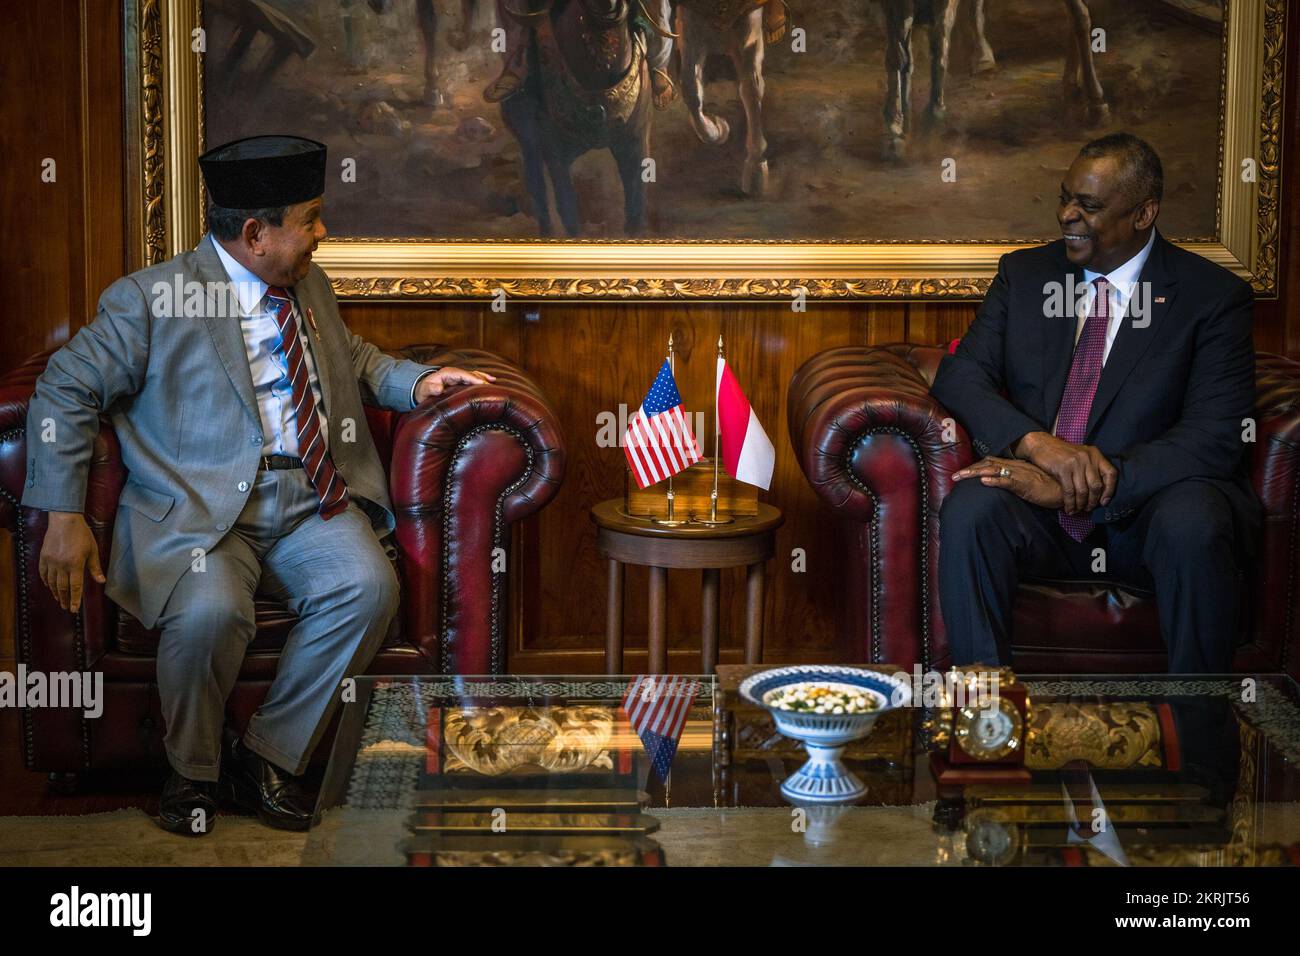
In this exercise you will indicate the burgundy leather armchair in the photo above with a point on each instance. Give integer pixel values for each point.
(462, 469)
(872, 443)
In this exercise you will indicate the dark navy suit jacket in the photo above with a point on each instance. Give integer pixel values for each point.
(1174, 393)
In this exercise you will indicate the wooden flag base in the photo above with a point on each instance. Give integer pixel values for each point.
(692, 494)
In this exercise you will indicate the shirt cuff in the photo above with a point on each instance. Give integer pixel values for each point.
(419, 378)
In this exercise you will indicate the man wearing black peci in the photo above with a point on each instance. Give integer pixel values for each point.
(1108, 380)
(250, 467)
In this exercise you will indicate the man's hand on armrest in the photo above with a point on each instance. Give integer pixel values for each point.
(68, 550)
(1087, 479)
(434, 382)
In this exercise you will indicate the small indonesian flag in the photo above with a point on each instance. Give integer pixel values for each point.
(747, 452)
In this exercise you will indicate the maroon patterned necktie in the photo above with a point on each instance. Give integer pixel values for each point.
(329, 484)
(1080, 387)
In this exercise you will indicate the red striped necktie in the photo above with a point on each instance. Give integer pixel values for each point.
(1080, 387)
(329, 484)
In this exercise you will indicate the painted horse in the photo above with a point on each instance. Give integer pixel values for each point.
(587, 88)
(741, 29)
(901, 16)
(426, 15)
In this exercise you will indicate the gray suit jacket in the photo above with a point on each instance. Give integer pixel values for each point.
(178, 390)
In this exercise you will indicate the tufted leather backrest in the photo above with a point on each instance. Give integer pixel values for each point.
(924, 358)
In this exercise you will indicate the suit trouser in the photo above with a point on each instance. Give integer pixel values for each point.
(1181, 544)
(334, 575)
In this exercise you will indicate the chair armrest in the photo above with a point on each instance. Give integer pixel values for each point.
(842, 397)
(877, 448)
(466, 465)
(1275, 474)
(48, 638)
(16, 389)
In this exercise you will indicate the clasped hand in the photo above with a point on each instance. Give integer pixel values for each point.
(1056, 474)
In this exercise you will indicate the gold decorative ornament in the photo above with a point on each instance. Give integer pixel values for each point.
(497, 740)
(1114, 735)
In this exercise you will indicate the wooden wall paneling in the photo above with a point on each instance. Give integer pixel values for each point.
(886, 322)
(103, 167)
(954, 319)
(921, 323)
(394, 325)
(40, 246)
(938, 323)
(61, 97)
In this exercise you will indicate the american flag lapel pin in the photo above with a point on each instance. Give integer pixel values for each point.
(1160, 300)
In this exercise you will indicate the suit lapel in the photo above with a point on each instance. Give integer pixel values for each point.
(224, 328)
(1058, 344)
(1157, 289)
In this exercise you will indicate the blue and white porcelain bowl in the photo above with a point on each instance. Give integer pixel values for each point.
(824, 778)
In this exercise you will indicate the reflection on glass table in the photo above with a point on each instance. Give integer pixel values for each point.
(626, 771)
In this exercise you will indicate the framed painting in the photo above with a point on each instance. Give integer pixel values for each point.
(708, 149)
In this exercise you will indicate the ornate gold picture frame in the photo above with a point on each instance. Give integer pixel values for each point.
(164, 62)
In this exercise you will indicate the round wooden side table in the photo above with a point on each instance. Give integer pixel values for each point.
(622, 539)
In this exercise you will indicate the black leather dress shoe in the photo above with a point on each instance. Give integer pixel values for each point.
(189, 807)
(256, 784)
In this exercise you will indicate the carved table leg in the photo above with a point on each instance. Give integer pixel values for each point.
(657, 638)
(709, 621)
(754, 614)
(614, 619)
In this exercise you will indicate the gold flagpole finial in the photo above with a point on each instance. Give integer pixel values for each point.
(672, 521)
(714, 518)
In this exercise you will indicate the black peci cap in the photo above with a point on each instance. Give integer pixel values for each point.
(264, 171)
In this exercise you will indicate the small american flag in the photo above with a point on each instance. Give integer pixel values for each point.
(657, 707)
(658, 442)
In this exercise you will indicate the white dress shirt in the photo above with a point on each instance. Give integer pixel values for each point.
(1123, 280)
(268, 363)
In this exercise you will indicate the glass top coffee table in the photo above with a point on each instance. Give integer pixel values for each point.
(551, 770)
